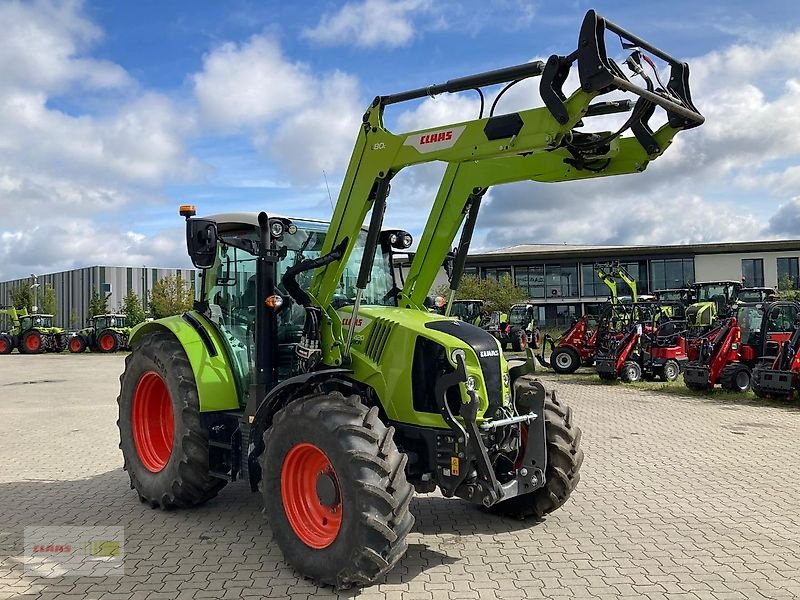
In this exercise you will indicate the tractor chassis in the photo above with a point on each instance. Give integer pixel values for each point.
(771, 381)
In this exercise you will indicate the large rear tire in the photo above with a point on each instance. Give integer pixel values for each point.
(164, 445)
(736, 377)
(6, 345)
(565, 360)
(564, 459)
(31, 343)
(335, 490)
(108, 342)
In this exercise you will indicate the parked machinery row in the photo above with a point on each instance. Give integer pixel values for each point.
(35, 334)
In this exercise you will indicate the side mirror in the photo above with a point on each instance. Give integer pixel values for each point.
(201, 242)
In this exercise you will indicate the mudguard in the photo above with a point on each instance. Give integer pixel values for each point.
(216, 386)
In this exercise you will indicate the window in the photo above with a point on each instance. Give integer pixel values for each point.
(561, 280)
(753, 272)
(591, 285)
(788, 276)
(530, 279)
(496, 273)
(671, 273)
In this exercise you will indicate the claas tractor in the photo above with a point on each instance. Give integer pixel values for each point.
(577, 345)
(298, 373)
(777, 368)
(712, 300)
(727, 354)
(31, 333)
(104, 333)
(650, 344)
(516, 328)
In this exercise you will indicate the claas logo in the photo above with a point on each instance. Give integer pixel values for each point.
(441, 136)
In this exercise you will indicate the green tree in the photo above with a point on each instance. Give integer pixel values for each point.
(786, 289)
(132, 308)
(171, 296)
(98, 304)
(498, 295)
(47, 300)
(21, 296)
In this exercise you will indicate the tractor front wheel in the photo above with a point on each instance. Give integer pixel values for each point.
(163, 442)
(77, 344)
(335, 490)
(630, 371)
(670, 370)
(5, 345)
(564, 459)
(108, 342)
(565, 360)
(735, 377)
(519, 340)
(31, 343)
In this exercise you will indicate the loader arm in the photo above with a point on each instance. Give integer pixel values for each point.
(540, 144)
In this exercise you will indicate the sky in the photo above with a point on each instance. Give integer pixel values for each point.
(115, 113)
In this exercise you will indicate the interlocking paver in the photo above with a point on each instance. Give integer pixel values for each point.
(681, 498)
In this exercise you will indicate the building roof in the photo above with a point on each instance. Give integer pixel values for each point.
(543, 251)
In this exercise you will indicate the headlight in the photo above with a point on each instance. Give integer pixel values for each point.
(470, 384)
(276, 229)
(456, 353)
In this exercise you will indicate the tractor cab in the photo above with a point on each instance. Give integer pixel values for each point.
(35, 321)
(109, 321)
(757, 294)
(469, 311)
(712, 299)
(679, 298)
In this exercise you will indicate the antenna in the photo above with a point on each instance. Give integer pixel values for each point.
(327, 188)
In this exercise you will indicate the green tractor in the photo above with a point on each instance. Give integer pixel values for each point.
(31, 334)
(712, 300)
(301, 372)
(469, 311)
(104, 333)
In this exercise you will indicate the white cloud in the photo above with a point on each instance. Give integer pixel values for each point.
(65, 176)
(368, 24)
(249, 84)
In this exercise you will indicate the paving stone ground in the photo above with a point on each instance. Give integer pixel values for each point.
(681, 497)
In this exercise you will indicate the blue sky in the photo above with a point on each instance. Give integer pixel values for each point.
(116, 112)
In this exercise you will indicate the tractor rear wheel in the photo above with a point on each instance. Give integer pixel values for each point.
(335, 490)
(670, 370)
(77, 344)
(31, 343)
(108, 342)
(163, 442)
(735, 377)
(564, 459)
(565, 360)
(519, 340)
(5, 345)
(630, 371)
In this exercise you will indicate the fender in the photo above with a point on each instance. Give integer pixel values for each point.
(216, 385)
(266, 410)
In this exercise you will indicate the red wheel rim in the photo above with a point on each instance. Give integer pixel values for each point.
(33, 342)
(3, 346)
(106, 341)
(307, 474)
(152, 422)
(75, 345)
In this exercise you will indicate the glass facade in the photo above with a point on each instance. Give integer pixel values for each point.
(753, 272)
(548, 281)
(671, 273)
(788, 276)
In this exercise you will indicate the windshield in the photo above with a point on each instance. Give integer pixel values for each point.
(751, 295)
(466, 311)
(713, 292)
(36, 321)
(517, 316)
(670, 296)
(749, 319)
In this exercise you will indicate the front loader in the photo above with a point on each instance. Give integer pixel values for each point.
(31, 333)
(776, 374)
(298, 371)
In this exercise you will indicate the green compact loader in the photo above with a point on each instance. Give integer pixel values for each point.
(304, 372)
(31, 334)
(104, 333)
